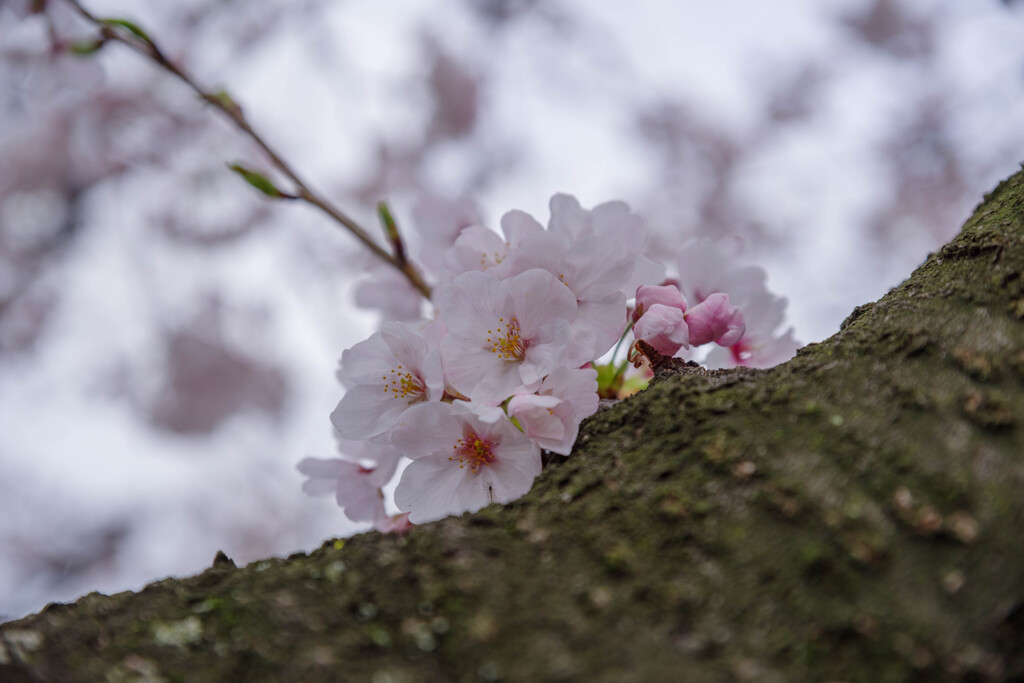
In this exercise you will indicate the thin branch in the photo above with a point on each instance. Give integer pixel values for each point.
(130, 35)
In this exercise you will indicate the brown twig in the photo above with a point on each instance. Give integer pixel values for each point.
(131, 36)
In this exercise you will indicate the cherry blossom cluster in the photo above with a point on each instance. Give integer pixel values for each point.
(506, 366)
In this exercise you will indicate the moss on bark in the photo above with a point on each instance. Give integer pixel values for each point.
(856, 514)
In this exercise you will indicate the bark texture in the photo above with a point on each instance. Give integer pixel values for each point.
(856, 514)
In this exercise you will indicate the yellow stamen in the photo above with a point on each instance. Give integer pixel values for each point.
(405, 385)
(511, 347)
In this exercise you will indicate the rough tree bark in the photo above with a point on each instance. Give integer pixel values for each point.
(856, 514)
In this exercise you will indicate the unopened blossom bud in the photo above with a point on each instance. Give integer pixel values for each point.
(715, 320)
(664, 328)
(666, 295)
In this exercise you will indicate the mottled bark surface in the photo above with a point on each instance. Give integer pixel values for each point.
(856, 514)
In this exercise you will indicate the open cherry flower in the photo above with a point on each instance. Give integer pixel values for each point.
(387, 373)
(479, 248)
(356, 481)
(460, 462)
(613, 223)
(595, 270)
(504, 333)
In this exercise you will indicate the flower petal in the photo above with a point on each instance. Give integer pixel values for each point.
(429, 489)
(603, 321)
(427, 429)
(538, 297)
(367, 411)
(597, 267)
(547, 351)
(472, 303)
(518, 225)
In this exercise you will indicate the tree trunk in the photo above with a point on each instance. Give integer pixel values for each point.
(855, 514)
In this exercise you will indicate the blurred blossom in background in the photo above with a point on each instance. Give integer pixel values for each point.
(168, 339)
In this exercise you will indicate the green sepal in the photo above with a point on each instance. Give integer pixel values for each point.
(257, 180)
(388, 221)
(85, 48)
(609, 380)
(129, 26)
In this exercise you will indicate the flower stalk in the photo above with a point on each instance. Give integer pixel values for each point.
(131, 35)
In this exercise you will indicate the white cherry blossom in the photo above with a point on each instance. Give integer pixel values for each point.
(613, 222)
(595, 270)
(479, 248)
(460, 462)
(355, 481)
(504, 333)
(387, 373)
(706, 267)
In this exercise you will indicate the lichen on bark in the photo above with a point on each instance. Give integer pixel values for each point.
(855, 514)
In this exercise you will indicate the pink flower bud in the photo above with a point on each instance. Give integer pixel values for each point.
(666, 295)
(664, 328)
(715, 320)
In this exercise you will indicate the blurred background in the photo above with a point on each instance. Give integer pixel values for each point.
(168, 339)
